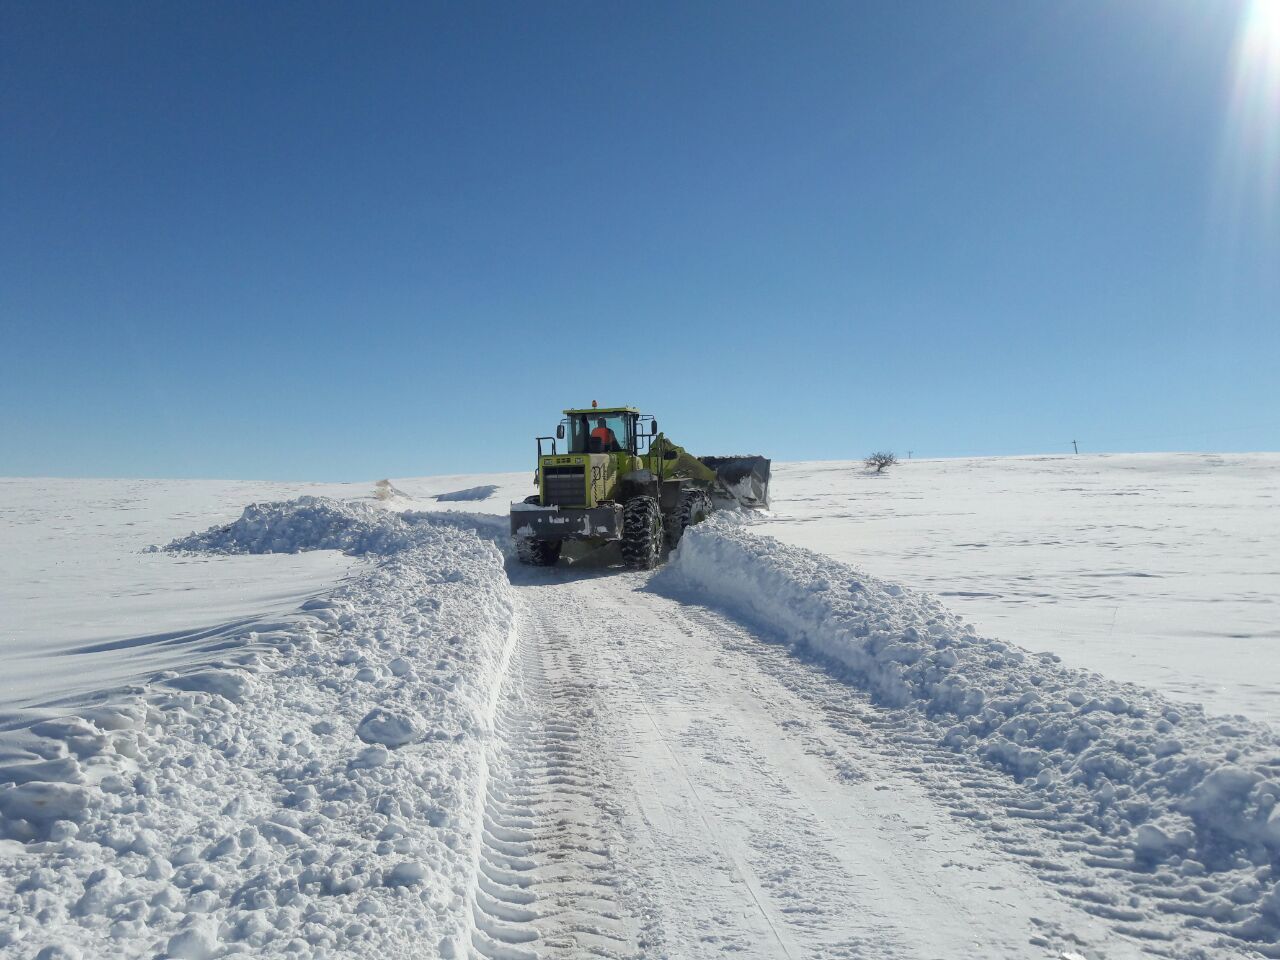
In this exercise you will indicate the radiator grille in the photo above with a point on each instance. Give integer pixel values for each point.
(565, 486)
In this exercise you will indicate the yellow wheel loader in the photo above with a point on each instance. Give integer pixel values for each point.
(617, 479)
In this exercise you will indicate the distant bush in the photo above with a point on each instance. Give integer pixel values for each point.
(880, 460)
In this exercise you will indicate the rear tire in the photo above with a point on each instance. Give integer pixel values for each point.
(641, 533)
(538, 553)
(695, 506)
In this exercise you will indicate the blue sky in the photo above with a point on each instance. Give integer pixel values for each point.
(326, 241)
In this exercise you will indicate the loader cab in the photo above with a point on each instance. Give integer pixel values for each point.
(607, 430)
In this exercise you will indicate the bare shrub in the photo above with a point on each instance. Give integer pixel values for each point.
(880, 460)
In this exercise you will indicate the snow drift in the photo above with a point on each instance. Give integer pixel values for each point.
(319, 523)
(483, 492)
(1191, 795)
(319, 794)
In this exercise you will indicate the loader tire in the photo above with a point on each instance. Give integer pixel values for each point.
(537, 553)
(641, 533)
(672, 527)
(695, 506)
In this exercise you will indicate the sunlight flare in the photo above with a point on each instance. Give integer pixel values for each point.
(1253, 134)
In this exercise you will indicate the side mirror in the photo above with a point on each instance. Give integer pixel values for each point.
(670, 455)
(653, 428)
(560, 432)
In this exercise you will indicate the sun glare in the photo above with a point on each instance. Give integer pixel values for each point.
(1264, 24)
(1257, 88)
(1251, 153)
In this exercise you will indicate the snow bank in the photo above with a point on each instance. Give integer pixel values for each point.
(1191, 795)
(319, 795)
(386, 490)
(320, 523)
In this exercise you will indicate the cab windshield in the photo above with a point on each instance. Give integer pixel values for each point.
(600, 433)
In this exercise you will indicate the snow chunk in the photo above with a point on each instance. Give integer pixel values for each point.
(80, 736)
(387, 727)
(1154, 843)
(197, 942)
(234, 685)
(58, 770)
(41, 802)
(59, 951)
(371, 758)
(406, 874)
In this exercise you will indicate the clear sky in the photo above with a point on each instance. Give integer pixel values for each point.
(341, 241)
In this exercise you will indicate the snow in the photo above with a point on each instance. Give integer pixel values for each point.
(507, 488)
(1159, 569)
(77, 585)
(1097, 752)
(385, 727)
(83, 609)
(43, 802)
(686, 785)
(336, 722)
(483, 492)
(320, 523)
(239, 808)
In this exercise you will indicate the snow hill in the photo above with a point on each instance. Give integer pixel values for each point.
(958, 706)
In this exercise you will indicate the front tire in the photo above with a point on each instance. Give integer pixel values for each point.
(538, 553)
(695, 506)
(641, 533)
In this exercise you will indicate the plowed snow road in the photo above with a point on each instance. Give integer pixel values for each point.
(670, 784)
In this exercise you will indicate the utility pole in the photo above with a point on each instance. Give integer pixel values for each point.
(1074, 447)
(908, 454)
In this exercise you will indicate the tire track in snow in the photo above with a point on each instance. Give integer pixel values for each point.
(769, 819)
(1096, 873)
(735, 857)
(546, 882)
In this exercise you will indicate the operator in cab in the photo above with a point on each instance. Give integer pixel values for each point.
(608, 440)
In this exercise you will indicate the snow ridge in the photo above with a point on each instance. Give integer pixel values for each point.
(319, 795)
(321, 523)
(1195, 798)
(482, 492)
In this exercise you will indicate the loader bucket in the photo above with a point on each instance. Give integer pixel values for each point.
(745, 479)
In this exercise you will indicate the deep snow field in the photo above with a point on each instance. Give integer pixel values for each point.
(1163, 569)
(74, 578)
(341, 724)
